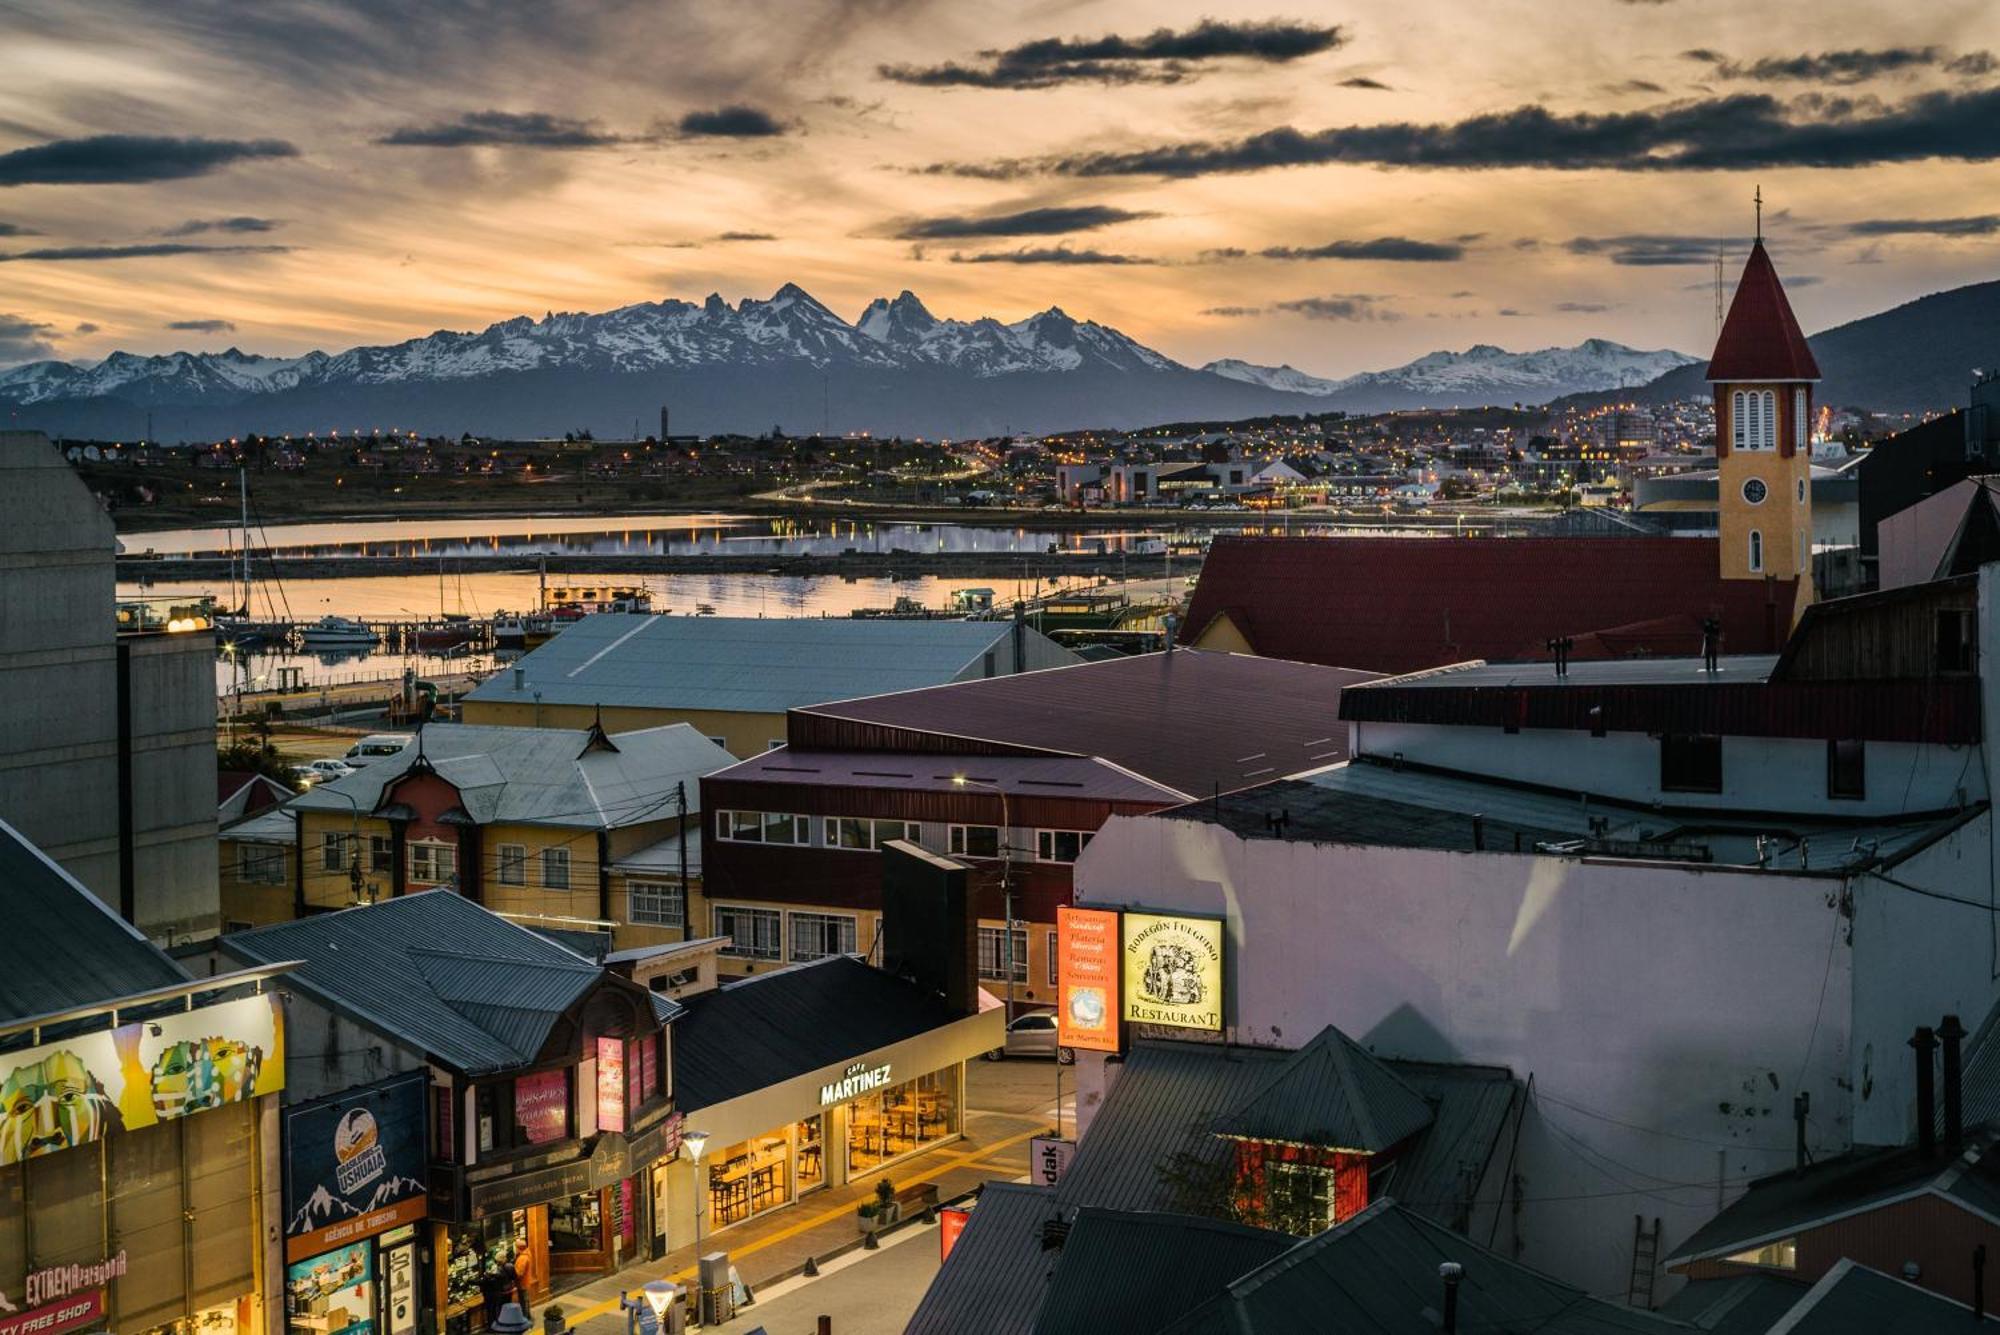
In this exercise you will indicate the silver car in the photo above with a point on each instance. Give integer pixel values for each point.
(1033, 1035)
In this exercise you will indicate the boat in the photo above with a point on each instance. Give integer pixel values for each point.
(331, 632)
(451, 631)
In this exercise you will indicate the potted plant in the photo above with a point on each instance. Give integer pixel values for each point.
(880, 1212)
(553, 1321)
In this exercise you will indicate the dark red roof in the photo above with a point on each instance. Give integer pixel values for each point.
(1761, 340)
(1406, 604)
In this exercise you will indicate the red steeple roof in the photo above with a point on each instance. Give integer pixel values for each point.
(1761, 339)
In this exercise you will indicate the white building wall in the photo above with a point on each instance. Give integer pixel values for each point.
(1758, 773)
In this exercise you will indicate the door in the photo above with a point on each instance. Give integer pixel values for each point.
(399, 1289)
(659, 1211)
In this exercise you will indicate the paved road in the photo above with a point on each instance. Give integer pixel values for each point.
(866, 1293)
(1020, 1085)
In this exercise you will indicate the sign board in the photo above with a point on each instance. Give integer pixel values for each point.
(399, 1279)
(1048, 1159)
(78, 1090)
(541, 1106)
(1173, 971)
(951, 1223)
(521, 1190)
(82, 1309)
(611, 1084)
(354, 1165)
(858, 1079)
(1087, 979)
(334, 1292)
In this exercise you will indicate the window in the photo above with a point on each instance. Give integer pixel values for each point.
(1756, 549)
(858, 832)
(722, 742)
(1802, 491)
(1301, 1195)
(513, 864)
(994, 960)
(433, 863)
(656, 903)
(1780, 1255)
(1738, 437)
(780, 828)
(743, 827)
(555, 868)
(260, 865)
(381, 853)
(1690, 763)
(1060, 845)
(1801, 428)
(817, 935)
(975, 841)
(773, 743)
(333, 852)
(1846, 769)
(1955, 652)
(1052, 960)
(752, 933)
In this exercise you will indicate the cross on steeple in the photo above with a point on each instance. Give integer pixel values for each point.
(1759, 197)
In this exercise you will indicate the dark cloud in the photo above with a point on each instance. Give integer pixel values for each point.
(1582, 307)
(1646, 249)
(1463, 293)
(490, 129)
(141, 252)
(201, 326)
(1737, 132)
(1353, 306)
(1637, 86)
(86, 327)
(1027, 222)
(743, 236)
(1397, 248)
(1233, 312)
(24, 340)
(15, 229)
(1983, 224)
(732, 122)
(1362, 81)
(122, 159)
(1509, 311)
(1856, 65)
(1161, 56)
(241, 223)
(1049, 255)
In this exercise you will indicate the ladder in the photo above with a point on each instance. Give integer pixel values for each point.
(1645, 1262)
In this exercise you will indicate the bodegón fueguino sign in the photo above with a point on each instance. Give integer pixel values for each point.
(1173, 971)
(859, 1078)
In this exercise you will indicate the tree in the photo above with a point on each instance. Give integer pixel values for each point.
(1209, 1185)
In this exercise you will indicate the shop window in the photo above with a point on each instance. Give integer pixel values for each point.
(513, 864)
(749, 1178)
(657, 903)
(433, 863)
(995, 962)
(1780, 1255)
(975, 841)
(1846, 770)
(811, 1166)
(333, 852)
(555, 868)
(817, 935)
(752, 933)
(1060, 845)
(260, 865)
(576, 1223)
(888, 1124)
(1690, 763)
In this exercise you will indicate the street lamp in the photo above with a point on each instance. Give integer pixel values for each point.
(694, 1142)
(1004, 846)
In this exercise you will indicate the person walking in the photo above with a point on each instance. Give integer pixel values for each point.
(524, 1274)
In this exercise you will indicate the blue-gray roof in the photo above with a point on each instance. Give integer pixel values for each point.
(1854, 1300)
(1332, 1093)
(994, 1279)
(543, 776)
(742, 664)
(63, 947)
(435, 972)
(1122, 1270)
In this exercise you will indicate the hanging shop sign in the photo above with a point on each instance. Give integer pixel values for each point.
(541, 1106)
(355, 1165)
(610, 1084)
(951, 1223)
(79, 1090)
(1173, 971)
(1087, 979)
(1048, 1159)
(857, 1079)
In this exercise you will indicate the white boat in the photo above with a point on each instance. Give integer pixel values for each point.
(332, 630)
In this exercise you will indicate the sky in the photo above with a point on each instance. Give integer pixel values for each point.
(1338, 187)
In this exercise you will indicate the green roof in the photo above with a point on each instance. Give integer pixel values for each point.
(1332, 1093)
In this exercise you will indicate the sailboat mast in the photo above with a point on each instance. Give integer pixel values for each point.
(243, 532)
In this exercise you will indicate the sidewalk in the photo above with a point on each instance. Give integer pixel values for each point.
(776, 1246)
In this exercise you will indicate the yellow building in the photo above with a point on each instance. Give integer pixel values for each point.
(258, 864)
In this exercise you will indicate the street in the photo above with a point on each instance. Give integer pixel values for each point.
(865, 1293)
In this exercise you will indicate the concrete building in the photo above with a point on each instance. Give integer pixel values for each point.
(733, 678)
(108, 711)
(1686, 902)
(1689, 501)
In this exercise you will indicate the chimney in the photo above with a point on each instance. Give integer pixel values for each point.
(1952, 1034)
(1478, 832)
(1171, 625)
(520, 676)
(1801, 1109)
(1451, 1272)
(1925, 1043)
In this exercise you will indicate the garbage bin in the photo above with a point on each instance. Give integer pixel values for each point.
(718, 1294)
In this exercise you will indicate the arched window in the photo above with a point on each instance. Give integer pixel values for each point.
(1801, 427)
(1756, 549)
(1737, 438)
(1767, 420)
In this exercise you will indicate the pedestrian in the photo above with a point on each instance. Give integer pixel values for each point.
(524, 1272)
(513, 1320)
(496, 1287)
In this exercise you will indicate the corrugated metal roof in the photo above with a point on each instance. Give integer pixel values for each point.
(1470, 1106)
(997, 1274)
(1332, 1093)
(754, 664)
(775, 1026)
(63, 947)
(663, 858)
(273, 825)
(1195, 721)
(543, 776)
(1854, 1300)
(1080, 777)
(486, 1004)
(1739, 1305)
(1736, 668)
(1125, 1271)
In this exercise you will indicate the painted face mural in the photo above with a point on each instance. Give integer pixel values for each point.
(197, 1074)
(51, 1105)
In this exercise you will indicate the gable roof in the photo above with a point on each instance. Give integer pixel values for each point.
(1121, 1270)
(1851, 1299)
(1406, 604)
(434, 971)
(541, 776)
(64, 947)
(994, 1280)
(1331, 1093)
(1760, 338)
(742, 664)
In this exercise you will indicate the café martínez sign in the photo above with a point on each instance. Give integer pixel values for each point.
(860, 1078)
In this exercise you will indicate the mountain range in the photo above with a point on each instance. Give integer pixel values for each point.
(896, 370)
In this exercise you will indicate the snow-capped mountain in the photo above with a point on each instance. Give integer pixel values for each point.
(1479, 375)
(320, 1209)
(394, 1189)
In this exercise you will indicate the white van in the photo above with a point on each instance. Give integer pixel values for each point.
(377, 745)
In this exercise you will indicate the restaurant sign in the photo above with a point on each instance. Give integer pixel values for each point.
(1087, 979)
(1173, 971)
(859, 1078)
(81, 1089)
(354, 1165)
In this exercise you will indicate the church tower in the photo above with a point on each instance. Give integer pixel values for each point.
(1763, 374)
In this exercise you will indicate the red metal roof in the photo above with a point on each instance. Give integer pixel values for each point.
(1405, 604)
(1761, 340)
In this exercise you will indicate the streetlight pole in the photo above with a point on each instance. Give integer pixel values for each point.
(1004, 846)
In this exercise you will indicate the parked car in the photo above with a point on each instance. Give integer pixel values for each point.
(1033, 1035)
(377, 746)
(328, 768)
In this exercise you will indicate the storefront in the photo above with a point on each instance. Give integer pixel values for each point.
(354, 1205)
(808, 1123)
